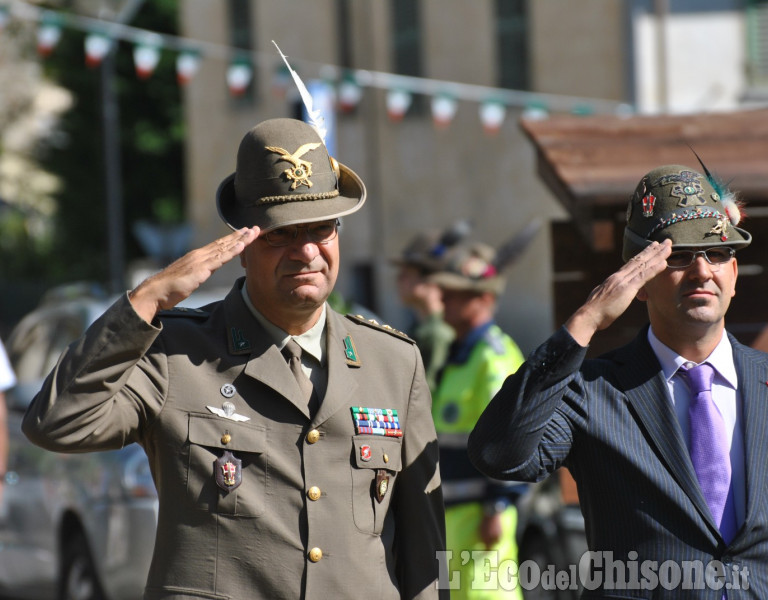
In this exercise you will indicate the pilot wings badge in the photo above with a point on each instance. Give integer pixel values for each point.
(227, 411)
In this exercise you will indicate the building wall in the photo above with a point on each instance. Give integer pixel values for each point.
(580, 48)
(705, 66)
(417, 176)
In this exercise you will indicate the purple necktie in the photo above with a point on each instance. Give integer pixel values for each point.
(709, 448)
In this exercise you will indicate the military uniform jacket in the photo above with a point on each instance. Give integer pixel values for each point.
(307, 519)
(611, 421)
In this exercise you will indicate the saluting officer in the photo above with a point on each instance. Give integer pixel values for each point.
(293, 448)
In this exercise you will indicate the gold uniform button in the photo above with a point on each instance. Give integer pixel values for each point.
(315, 554)
(386, 457)
(314, 493)
(226, 438)
(313, 436)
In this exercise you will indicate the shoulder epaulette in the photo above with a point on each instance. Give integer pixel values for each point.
(183, 311)
(381, 327)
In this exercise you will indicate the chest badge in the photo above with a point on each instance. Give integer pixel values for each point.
(365, 452)
(228, 471)
(382, 484)
(227, 411)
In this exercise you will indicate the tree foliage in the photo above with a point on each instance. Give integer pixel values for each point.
(151, 150)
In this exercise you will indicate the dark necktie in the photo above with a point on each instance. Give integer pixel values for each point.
(292, 353)
(709, 448)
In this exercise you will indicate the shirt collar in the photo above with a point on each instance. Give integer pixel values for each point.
(460, 349)
(721, 358)
(311, 341)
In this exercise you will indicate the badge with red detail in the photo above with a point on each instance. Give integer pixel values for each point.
(365, 452)
(229, 471)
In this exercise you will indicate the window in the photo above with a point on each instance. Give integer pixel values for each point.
(757, 42)
(512, 43)
(406, 46)
(406, 37)
(241, 37)
(344, 32)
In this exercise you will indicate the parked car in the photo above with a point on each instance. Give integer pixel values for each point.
(72, 526)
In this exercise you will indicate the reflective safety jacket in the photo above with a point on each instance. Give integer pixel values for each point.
(477, 367)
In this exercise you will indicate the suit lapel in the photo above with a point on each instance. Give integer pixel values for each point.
(752, 369)
(342, 386)
(647, 392)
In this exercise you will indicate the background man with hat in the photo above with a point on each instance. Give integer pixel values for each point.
(666, 436)
(293, 449)
(421, 257)
(480, 513)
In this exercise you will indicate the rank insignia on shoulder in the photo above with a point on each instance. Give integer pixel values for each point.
(229, 471)
(374, 324)
(376, 421)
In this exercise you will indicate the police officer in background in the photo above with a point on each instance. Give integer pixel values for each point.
(293, 448)
(480, 514)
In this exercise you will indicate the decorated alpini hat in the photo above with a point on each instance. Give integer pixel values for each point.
(427, 249)
(679, 203)
(478, 267)
(472, 267)
(285, 176)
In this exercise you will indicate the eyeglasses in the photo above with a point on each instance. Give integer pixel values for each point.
(680, 259)
(318, 233)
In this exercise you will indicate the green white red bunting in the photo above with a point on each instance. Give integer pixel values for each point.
(350, 84)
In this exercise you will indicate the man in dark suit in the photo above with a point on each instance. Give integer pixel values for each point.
(667, 437)
(292, 448)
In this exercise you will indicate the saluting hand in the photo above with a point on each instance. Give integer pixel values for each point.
(611, 298)
(178, 280)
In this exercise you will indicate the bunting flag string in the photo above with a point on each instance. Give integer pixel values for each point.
(445, 96)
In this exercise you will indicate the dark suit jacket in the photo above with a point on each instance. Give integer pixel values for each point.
(612, 423)
(308, 484)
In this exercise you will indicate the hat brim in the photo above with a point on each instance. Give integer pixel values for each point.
(352, 196)
(453, 281)
(634, 244)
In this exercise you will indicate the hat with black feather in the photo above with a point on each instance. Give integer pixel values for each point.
(478, 267)
(427, 250)
(678, 203)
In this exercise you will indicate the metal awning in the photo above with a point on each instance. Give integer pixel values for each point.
(593, 163)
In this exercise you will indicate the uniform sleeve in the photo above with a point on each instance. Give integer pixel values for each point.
(498, 494)
(96, 398)
(524, 434)
(419, 513)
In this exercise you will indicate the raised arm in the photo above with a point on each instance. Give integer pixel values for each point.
(181, 278)
(526, 433)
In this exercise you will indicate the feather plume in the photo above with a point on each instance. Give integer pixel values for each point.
(316, 119)
(731, 204)
(512, 250)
